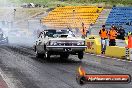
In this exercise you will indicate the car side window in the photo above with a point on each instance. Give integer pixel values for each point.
(49, 34)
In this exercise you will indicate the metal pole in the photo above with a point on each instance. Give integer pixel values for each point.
(14, 14)
(74, 18)
(130, 53)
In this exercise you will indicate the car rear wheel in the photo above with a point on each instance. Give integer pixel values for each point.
(80, 55)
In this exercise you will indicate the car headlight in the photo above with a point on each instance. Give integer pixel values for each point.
(53, 43)
(81, 43)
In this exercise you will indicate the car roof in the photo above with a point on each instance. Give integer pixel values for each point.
(49, 29)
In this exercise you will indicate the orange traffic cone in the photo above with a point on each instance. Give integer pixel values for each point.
(129, 42)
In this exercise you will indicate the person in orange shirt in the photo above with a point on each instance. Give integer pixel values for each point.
(112, 36)
(104, 35)
(83, 30)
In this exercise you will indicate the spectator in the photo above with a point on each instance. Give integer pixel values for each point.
(84, 32)
(121, 34)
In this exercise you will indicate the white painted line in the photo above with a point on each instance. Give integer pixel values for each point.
(129, 61)
(7, 80)
(123, 60)
(102, 56)
(98, 55)
(92, 54)
(114, 58)
(119, 59)
(108, 57)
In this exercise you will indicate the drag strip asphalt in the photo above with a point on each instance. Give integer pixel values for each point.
(24, 70)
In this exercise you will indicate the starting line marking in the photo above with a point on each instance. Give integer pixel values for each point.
(109, 57)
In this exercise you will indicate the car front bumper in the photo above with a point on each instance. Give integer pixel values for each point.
(70, 49)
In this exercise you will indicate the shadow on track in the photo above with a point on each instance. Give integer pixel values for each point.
(28, 52)
(58, 60)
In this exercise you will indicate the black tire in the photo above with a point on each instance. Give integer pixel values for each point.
(80, 55)
(38, 55)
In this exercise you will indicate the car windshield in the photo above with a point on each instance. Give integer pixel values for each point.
(59, 33)
(65, 33)
(62, 32)
(50, 33)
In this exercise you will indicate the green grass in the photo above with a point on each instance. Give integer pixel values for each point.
(52, 3)
(21, 13)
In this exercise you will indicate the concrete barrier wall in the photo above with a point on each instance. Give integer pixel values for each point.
(115, 51)
(94, 46)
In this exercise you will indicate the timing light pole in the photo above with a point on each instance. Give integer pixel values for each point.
(14, 14)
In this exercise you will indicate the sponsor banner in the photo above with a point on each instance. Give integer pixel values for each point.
(83, 78)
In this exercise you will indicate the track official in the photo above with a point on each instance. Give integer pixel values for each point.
(83, 31)
(104, 35)
(112, 36)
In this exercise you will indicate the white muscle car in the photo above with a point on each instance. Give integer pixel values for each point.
(62, 42)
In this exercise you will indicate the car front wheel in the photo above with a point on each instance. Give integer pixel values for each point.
(80, 55)
(38, 55)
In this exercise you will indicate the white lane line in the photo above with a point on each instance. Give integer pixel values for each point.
(118, 59)
(123, 60)
(114, 58)
(7, 80)
(109, 57)
(102, 56)
(129, 61)
(98, 55)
